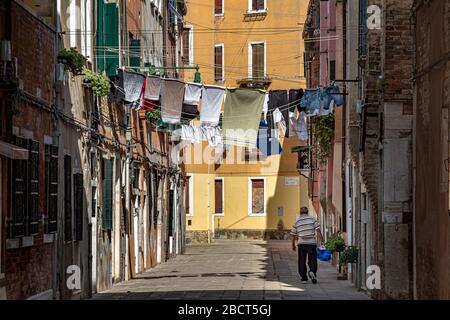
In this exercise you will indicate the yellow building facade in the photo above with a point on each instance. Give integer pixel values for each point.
(238, 43)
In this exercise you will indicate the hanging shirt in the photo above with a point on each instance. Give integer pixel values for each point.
(278, 99)
(301, 127)
(295, 96)
(172, 95)
(267, 146)
(266, 106)
(212, 100)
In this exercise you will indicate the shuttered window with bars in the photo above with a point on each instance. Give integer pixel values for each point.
(218, 196)
(19, 201)
(67, 198)
(78, 200)
(107, 173)
(51, 174)
(218, 63)
(258, 68)
(25, 191)
(107, 37)
(33, 195)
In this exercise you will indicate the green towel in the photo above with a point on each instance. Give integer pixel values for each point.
(243, 109)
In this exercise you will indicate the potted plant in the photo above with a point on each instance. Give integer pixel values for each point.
(72, 61)
(99, 83)
(349, 255)
(335, 243)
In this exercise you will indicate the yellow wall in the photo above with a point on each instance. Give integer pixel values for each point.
(281, 30)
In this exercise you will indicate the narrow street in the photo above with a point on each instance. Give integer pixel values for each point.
(244, 270)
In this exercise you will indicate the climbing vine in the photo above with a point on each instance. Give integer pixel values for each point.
(323, 133)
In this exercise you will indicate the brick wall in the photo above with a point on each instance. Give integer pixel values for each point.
(29, 270)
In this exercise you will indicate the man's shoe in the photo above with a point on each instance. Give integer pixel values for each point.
(313, 277)
(304, 280)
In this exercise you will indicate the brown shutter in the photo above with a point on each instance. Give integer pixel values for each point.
(186, 34)
(260, 5)
(218, 199)
(258, 61)
(258, 196)
(218, 7)
(218, 67)
(187, 195)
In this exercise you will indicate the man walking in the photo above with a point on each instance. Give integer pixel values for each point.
(305, 234)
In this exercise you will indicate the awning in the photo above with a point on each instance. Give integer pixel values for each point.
(12, 151)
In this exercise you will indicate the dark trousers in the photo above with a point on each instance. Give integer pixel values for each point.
(307, 251)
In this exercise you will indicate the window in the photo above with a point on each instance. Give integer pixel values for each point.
(257, 60)
(78, 205)
(25, 191)
(107, 194)
(218, 7)
(107, 37)
(256, 5)
(135, 52)
(51, 174)
(189, 187)
(332, 70)
(257, 196)
(188, 45)
(218, 196)
(219, 63)
(67, 198)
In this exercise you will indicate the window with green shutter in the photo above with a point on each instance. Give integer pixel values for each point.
(107, 37)
(107, 194)
(67, 198)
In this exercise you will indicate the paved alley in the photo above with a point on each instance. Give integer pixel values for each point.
(246, 270)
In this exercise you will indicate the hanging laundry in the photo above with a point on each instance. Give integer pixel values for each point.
(267, 146)
(332, 93)
(278, 99)
(192, 95)
(213, 135)
(132, 85)
(301, 127)
(295, 96)
(243, 109)
(187, 133)
(172, 95)
(311, 101)
(152, 93)
(212, 100)
(266, 106)
(280, 124)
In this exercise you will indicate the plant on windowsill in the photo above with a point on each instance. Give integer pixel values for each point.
(323, 134)
(99, 83)
(153, 115)
(72, 61)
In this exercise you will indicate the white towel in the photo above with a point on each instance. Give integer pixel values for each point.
(212, 99)
(192, 94)
(153, 88)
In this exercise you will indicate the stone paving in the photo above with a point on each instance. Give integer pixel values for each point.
(230, 270)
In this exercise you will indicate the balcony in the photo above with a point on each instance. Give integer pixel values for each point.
(257, 83)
